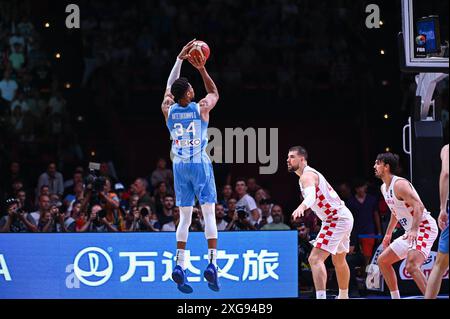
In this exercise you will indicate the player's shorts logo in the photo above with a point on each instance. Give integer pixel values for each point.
(95, 258)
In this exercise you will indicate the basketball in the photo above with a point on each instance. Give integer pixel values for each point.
(200, 49)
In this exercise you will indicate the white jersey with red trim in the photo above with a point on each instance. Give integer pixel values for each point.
(401, 210)
(328, 203)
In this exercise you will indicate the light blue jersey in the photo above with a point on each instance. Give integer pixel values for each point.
(192, 168)
(189, 133)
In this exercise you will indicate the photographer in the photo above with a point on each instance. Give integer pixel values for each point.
(142, 220)
(240, 221)
(97, 222)
(110, 203)
(196, 224)
(17, 221)
(65, 223)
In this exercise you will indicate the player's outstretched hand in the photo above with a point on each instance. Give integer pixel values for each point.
(299, 212)
(184, 54)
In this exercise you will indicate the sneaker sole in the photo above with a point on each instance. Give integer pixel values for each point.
(178, 278)
(209, 276)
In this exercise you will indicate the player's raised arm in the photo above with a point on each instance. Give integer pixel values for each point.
(174, 75)
(208, 103)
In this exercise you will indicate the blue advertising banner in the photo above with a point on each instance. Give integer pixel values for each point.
(139, 265)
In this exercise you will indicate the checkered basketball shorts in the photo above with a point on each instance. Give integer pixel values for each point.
(334, 235)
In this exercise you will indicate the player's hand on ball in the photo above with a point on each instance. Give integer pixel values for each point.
(197, 61)
(184, 54)
(298, 213)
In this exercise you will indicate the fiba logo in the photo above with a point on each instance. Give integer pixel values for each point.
(94, 257)
(421, 40)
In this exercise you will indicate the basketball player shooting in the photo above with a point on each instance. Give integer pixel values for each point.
(187, 122)
(337, 223)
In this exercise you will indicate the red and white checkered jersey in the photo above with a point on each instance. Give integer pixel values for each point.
(401, 210)
(328, 202)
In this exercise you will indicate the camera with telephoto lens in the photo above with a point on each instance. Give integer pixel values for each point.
(242, 214)
(144, 212)
(101, 214)
(13, 201)
(95, 183)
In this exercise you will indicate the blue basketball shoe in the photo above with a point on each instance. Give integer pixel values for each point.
(179, 277)
(212, 276)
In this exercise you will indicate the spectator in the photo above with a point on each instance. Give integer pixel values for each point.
(167, 213)
(265, 205)
(17, 57)
(252, 186)
(345, 192)
(311, 221)
(46, 222)
(162, 174)
(106, 170)
(16, 221)
(44, 190)
(76, 215)
(231, 203)
(24, 203)
(260, 195)
(220, 214)
(172, 226)
(53, 179)
(255, 219)
(139, 187)
(364, 208)
(277, 223)
(77, 177)
(77, 195)
(196, 225)
(227, 193)
(304, 250)
(240, 221)
(8, 88)
(44, 206)
(245, 202)
(160, 192)
(110, 203)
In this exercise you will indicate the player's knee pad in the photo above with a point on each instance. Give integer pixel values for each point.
(184, 224)
(209, 215)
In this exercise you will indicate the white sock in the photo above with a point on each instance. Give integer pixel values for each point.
(180, 258)
(343, 294)
(212, 256)
(321, 294)
(395, 294)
